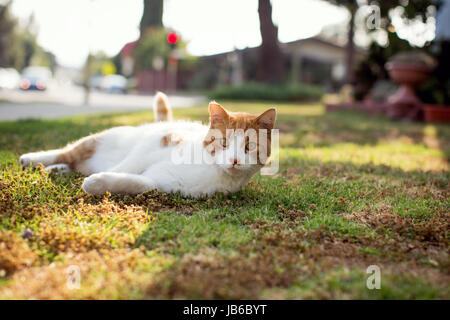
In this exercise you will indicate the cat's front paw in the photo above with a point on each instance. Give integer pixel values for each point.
(95, 184)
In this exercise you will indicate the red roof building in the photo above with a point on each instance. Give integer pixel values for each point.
(127, 50)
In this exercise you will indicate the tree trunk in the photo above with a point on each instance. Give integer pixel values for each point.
(271, 66)
(152, 15)
(6, 30)
(350, 49)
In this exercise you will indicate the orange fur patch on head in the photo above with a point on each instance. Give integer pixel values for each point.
(217, 113)
(171, 139)
(221, 120)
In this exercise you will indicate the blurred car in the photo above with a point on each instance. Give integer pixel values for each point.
(9, 78)
(35, 78)
(114, 83)
(95, 82)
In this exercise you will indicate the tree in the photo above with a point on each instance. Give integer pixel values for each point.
(18, 45)
(152, 41)
(412, 10)
(351, 6)
(152, 16)
(151, 45)
(7, 24)
(154, 45)
(372, 67)
(271, 67)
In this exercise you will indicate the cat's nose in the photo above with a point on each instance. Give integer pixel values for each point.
(234, 161)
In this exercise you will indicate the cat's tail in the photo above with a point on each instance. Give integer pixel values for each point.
(161, 107)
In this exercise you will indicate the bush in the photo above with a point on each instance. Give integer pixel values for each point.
(153, 44)
(261, 91)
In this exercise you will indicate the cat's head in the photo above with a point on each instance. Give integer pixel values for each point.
(239, 141)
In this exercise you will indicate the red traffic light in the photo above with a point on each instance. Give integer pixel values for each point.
(172, 38)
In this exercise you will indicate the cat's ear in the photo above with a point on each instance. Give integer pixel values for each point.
(217, 113)
(266, 120)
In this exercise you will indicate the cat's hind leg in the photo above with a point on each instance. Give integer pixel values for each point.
(45, 158)
(116, 182)
(72, 155)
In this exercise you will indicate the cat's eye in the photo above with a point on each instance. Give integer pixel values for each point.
(223, 142)
(250, 146)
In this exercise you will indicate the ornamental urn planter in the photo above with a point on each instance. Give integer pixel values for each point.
(404, 104)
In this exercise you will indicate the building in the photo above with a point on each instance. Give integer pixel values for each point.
(126, 57)
(314, 60)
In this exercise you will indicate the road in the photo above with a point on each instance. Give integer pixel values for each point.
(67, 100)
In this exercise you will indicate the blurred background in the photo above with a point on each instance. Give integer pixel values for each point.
(112, 55)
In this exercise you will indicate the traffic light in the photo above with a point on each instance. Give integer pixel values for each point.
(172, 39)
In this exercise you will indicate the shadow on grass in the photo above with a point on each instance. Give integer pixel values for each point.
(324, 194)
(359, 128)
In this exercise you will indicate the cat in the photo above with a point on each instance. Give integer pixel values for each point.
(133, 160)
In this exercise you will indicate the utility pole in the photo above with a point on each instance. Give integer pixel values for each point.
(172, 68)
(88, 66)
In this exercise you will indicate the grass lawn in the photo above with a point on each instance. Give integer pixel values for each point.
(352, 191)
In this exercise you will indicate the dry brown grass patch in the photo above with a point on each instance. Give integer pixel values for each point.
(104, 274)
(84, 227)
(433, 230)
(14, 253)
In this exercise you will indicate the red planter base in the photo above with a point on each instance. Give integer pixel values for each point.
(436, 113)
(404, 104)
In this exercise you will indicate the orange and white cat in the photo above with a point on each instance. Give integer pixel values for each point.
(137, 159)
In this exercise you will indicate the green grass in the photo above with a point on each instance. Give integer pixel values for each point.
(352, 191)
